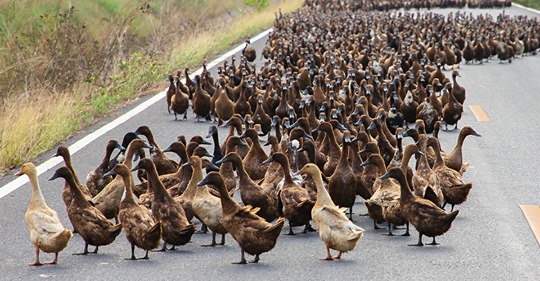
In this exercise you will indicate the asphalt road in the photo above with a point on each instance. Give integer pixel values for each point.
(490, 238)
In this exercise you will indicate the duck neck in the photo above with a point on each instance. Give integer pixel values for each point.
(37, 200)
(323, 197)
(155, 183)
(105, 161)
(406, 194)
(76, 191)
(240, 170)
(128, 191)
(217, 148)
(67, 161)
(344, 157)
(128, 161)
(197, 176)
(286, 171)
(228, 205)
(439, 162)
(407, 155)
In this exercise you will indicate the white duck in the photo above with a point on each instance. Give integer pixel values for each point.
(46, 231)
(335, 229)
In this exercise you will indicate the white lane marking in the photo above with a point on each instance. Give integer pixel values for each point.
(526, 8)
(49, 164)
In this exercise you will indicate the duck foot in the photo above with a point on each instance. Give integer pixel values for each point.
(95, 250)
(338, 257)
(363, 215)
(328, 255)
(375, 226)
(213, 244)
(163, 249)
(222, 240)
(433, 243)
(145, 256)
(389, 230)
(173, 248)
(290, 230)
(35, 264)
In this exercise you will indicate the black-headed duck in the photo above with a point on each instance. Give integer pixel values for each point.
(176, 229)
(47, 233)
(253, 234)
(91, 224)
(95, 180)
(218, 153)
(139, 226)
(428, 219)
(336, 231)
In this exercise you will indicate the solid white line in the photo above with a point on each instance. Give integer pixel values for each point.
(526, 8)
(49, 164)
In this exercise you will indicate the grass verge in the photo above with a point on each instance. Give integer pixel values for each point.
(535, 4)
(40, 119)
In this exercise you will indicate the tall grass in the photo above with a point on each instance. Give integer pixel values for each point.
(71, 72)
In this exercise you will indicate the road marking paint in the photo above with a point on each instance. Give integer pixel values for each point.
(49, 164)
(526, 8)
(479, 113)
(532, 214)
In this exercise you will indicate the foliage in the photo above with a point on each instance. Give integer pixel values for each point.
(259, 4)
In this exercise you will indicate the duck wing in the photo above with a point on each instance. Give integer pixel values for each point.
(45, 222)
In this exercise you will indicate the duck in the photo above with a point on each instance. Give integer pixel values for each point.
(454, 189)
(313, 154)
(451, 112)
(91, 224)
(425, 182)
(67, 196)
(108, 200)
(200, 103)
(342, 184)
(428, 114)
(176, 229)
(235, 123)
(294, 199)
(428, 219)
(47, 233)
(95, 180)
(458, 91)
(454, 159)
(218, 153)
(224, 107)
(253, 234)
(331, 150)
(335, 229)
(139, 226)
(253, 161)
(206, 206)
(179, 102)
(386, 149)
(163, 163)
(261, 117)
(251, 193)
(170, 91)
(249, 52)
(408, 108)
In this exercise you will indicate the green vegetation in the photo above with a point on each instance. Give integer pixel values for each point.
(259, 4)
(63, 64)
(535, 4)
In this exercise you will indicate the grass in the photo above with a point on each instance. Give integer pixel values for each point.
(42, 117)
(535, 4)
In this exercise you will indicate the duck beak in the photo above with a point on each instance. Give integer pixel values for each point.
(308, 136)
(363, 150)
(120, 147)
(298, 173)
(19, 173)
(371, 126)
(241, 143)
(187, 164)
(209, 155)
(269, 160)
(168, 149)
(213, 167)
(136, 168)
(385, 176)
(221, 161)
(365, 163)
(54, 176)
(203, 182)
(110, 173)
(205, 143)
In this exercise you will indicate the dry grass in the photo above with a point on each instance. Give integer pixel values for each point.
(44, 116)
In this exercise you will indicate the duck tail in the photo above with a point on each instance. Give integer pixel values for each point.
(452, 216)
(431, 195)
(277, 226)
(64, 236)
(154, 235)
(116, 229)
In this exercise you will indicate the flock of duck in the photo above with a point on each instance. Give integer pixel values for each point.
(335, 97)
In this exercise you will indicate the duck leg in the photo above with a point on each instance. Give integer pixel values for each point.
(328, 255)
(291, 232)
(350, 214)
(375, 226)
(85, 252)
(242, 260)
(452, 208)
(213, 244)
(256, 259)
(95, 250)
(389, 231)
(204, 229)
(132, 253)
(173, 248)
(308, 228)
(338, 257)
(55, 260)
(145, 256)
(407, 231)
(444, 204)
(175, 118)
(163, 249)
(185, 115)
(434, 243)
(208, 117)
(419, 241)
(222, 239)
(36, 263)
